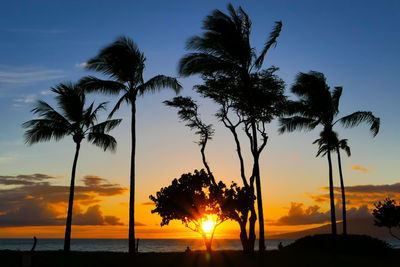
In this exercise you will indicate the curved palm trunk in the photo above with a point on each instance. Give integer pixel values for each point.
(132, 183)
(67, 238)
(331, 195)
(343, 193)
(256, 172)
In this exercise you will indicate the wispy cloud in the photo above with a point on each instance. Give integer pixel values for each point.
(81, 65)
(45, 92)
(26, 99)
(31, 30)
(27, 75)
(359, 168)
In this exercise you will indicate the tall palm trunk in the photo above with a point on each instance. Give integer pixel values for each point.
(331, 195)
(67, 238)
(343, 193)
(132, 183)
(256, 172)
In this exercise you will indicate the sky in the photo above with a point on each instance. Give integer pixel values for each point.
(43, 43)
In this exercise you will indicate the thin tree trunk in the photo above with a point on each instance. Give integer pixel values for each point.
(256, 173)
(203, 157)
(331, 195)
(132, 249)
(243, 235)
(343, 193)
(67, 238)
(252, 232)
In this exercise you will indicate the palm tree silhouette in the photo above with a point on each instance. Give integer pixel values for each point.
(123, 62)
(317, 105)
(74, 120)
(225, 49)
(322, 151)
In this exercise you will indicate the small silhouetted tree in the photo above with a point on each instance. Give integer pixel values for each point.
(387, 214)
(124, 63)
(192, 199)
(75, 120)
(235, 202)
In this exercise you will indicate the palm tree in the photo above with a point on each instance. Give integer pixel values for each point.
(224, 49)
(123, 62)
(317, 105)
(74, 120)
(337, 145)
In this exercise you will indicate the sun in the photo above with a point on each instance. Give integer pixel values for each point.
(208, 225)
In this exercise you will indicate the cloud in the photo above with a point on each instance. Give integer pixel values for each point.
(359, 168)
(357, 195)
(45, 92)
(36, 212)
(33, 212)
(27, 75)
(81, 65)
(26, 99)
(23, 179)
(149, 203)
(101, 186)
(38, 193)
(300, 215)
(94, 216)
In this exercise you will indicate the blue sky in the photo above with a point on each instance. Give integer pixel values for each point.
(355, 43)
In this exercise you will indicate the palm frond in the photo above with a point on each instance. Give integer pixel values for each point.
(90, 115)
(102, 140)
(71, 100)
(125, 98)
(121, 60)
(201, 63)
(273, 36)
(105, 126)
(336, 94)
(93, 84)
(42, 130)
(44, 110)
(158, 82)
(296, 123)
(344, 146)
(358, 117)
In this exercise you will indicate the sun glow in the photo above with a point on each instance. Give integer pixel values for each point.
(208, 225)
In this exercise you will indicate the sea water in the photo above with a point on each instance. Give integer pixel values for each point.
(145, 245)
(121, 245)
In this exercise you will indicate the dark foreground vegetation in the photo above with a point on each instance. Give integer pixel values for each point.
(308, 251)
(201, 258)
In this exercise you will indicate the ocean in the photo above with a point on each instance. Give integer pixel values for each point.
(121, 245)
(145, 245)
